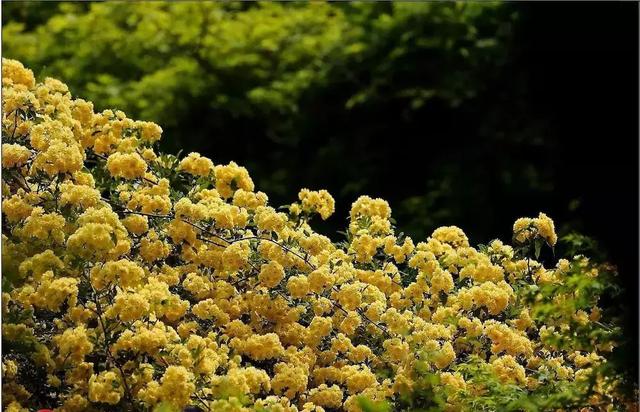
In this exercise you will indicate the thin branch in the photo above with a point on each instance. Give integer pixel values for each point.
(285, 248)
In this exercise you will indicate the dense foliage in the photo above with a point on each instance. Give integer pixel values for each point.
(255, 60)
(135, 281)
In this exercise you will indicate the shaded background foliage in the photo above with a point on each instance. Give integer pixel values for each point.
(470, 114)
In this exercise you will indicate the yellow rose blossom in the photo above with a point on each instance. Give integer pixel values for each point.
(106, 387)
(79, 196)
(508, 370)
(149, 131)
(176, 386)
(289, 380)
(16, 208)
(271, 274)
(196, 165)
(14, 73)
(14, 155)
(129, 306)
(320, 202)
(261, 347)
(136, 224)
(74, 344)
(298, 286)
(9, 369)
(126, 165)
(326, 396)
(230, 178)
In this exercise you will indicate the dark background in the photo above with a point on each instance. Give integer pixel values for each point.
(547, 120)
(582, 64)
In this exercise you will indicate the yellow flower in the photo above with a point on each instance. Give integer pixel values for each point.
(267, 220)
(16, 208)
(74, 344)
(125, 272)
(14, 73)
(320, 202)
(525, 229)
(289, 380)
(441, 281)
(152, 248)
(14, 155)
(9, 369)
(271, 274)
(451, 235)
(43, 226)
(126, 165)
(146, 339)
(366, 206)
(136, 224)
(176, 386)
(508, 370)
(249, 200)
(196, 165)
(364, 247)
(129, 306)
(230, 178)
(326, 396)
(260, 347)
(505, 339)
(445, 356)
(149, 131)
(207, 309)
(359, 378)
(298, 286)
(79, 196)
(349, 296)
(546, 229)
(320, 279)
(236, 256)
(106, 387)
(52, 292)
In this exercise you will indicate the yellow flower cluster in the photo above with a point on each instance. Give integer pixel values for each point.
(126, 165)
(320, 202)
(132, 293)
(260, 347)
(525, 229)
(14, 155)
(196, 165)
(271, 274)
(105, 387)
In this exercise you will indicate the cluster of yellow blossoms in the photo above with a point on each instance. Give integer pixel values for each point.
(128, 293)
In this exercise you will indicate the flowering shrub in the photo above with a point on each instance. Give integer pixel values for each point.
(139, 281)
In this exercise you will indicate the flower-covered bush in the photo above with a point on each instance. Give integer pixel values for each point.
(139, 281)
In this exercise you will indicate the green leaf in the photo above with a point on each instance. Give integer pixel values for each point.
(367, 405)
(165, 407)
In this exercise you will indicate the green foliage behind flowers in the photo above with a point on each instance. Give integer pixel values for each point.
(143, 282)
(158, 60)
